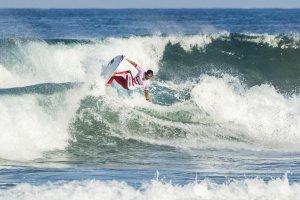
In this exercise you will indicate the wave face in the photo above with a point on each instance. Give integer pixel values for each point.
(256, 59)
(210, 91)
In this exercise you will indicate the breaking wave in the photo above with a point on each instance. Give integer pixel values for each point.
(221, 90)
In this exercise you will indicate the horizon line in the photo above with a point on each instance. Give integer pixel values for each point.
(149, 8)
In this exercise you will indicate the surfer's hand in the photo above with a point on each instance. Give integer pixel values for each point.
(148, 100)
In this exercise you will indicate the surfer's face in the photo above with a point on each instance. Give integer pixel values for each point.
(148, 76)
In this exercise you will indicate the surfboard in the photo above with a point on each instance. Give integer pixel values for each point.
(118, 64)
(112, 67)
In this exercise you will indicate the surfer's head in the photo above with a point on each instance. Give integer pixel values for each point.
(149, 74)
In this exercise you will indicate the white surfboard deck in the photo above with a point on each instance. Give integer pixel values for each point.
(118, 64)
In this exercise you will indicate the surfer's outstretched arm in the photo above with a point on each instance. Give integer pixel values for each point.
(147, 95)
(131, 62)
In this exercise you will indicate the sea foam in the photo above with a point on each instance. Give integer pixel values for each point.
(248, 189)
(261, 111)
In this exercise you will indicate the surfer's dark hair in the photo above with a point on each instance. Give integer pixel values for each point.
(149, 72)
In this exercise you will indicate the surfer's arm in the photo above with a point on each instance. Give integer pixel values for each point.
(147, 95)
(131, 62)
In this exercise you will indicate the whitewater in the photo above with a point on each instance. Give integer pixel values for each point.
(224, 122)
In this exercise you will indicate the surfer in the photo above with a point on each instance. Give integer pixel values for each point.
(127, 81)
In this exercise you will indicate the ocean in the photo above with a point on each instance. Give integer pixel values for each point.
(224, 122)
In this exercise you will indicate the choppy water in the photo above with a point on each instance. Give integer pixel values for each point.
(225, 117)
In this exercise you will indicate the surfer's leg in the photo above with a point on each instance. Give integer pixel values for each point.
(113, 77)
(122, 81)
(110, 81)
(121, 73)
(119, 78)
(129, 80)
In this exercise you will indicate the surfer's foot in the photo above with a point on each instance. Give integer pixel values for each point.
(115, 74)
